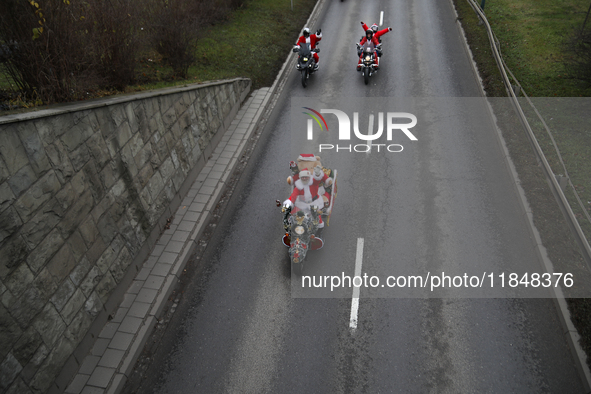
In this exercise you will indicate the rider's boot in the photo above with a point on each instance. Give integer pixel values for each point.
(319, 233)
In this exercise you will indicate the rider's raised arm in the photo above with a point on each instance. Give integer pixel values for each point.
(382, 32)
(318, 35)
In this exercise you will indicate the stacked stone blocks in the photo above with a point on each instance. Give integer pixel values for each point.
(83, 191)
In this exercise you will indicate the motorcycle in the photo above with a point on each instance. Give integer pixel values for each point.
(301, 221)
(368, 60)
(306, 64)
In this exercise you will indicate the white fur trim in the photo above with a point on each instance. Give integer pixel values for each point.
(305, 172)
(307, 194)
(307, 157)
(318, 203)
(306, 188)
(319, 177)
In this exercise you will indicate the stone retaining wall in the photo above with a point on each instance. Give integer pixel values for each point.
(85, 190)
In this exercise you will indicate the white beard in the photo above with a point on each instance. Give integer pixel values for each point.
(306, 188)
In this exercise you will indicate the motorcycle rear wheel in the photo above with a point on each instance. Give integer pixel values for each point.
(366, 75)
(305, 77)
(297, 268)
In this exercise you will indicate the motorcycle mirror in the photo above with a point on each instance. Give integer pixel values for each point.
(295, 49)
(316, 50)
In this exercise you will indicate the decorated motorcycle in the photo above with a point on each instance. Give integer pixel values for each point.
(308, 209)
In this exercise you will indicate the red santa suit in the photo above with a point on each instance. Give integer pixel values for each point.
(308, 160)
(312, 39)
(378, 33)
(375, 42)
(305, 194)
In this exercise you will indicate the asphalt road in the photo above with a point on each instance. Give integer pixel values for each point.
(446, 202)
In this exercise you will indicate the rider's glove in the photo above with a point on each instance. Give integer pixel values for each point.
(362, 22)
(389, 29)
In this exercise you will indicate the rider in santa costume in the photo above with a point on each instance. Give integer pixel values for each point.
(369, 36)
(305, 192)
(311, 39)
(377, 34)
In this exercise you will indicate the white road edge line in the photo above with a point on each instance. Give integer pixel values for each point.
(355, 298)
(381, 18)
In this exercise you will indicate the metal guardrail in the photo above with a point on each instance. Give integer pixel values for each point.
(554, 185)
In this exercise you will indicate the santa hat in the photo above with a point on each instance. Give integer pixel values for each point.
(305, 172)
(307, 157)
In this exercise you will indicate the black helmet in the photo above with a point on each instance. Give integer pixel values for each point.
(306, 32)
(369, 33)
